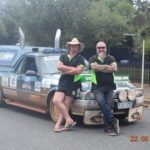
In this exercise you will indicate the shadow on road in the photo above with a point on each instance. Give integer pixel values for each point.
(79, 120)
(27, 112)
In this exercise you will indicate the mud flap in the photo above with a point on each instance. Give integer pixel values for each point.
(93, 117)
(135, 114)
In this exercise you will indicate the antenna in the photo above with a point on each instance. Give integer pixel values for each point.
(21, 38)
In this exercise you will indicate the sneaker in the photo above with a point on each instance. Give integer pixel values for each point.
(110, 131)
(116, 127)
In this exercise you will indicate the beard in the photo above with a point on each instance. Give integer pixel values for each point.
(102, 55)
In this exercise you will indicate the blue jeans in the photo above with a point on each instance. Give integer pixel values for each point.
(105, 101)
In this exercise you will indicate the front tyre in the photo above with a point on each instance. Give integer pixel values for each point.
(54, 112)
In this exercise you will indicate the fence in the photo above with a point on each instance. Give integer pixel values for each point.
(134, 71)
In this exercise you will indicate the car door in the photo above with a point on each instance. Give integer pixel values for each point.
(29, 83)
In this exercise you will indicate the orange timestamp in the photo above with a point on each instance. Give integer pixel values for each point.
(139, 138)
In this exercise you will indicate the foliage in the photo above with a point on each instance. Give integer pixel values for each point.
(89, 20)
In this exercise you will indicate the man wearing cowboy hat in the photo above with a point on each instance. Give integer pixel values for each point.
(71, 65)
(103, 66)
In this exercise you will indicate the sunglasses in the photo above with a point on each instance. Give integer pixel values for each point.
(101, 47)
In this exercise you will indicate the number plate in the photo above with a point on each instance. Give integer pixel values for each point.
(124, 105)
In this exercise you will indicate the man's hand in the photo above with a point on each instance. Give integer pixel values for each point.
(111, 68)
(74, 70)
(95, 66)
(63, 68)
(104, 68)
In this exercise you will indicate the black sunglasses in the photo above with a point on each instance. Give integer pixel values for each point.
(101, 47)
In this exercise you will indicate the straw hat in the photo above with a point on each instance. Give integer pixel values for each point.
(75, 41)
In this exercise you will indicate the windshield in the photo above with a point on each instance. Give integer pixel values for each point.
(48, 64)
(123, 84)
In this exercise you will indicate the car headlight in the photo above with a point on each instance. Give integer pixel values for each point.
(122, 96)
(131, 95)
(89, 96)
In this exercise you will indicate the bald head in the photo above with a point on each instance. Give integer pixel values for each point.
(101, 43)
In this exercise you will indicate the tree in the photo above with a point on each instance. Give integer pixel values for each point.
(89, 20)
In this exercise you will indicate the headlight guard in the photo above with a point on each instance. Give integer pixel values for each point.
(122, 95)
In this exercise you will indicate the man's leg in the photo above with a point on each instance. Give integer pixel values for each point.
(68, 101)
(59, 122)
(61, 118)
(105, 108)
(58, 100)
(115, 123)
(109, 98)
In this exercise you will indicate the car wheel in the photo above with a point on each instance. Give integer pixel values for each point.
(54, 113)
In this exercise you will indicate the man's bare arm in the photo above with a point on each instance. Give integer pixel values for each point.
(104, 68)
(111, 68)
(74, 70)
(63, 67)
(95, 66)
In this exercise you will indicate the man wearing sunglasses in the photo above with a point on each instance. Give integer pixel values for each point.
(102, 67)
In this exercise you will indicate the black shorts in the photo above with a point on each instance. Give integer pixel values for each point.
(69, 89)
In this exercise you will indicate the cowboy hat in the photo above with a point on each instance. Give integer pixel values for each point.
(75, 41)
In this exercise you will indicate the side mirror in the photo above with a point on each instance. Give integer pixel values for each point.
(31, 73)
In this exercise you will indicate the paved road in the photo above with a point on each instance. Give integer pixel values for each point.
(26, 130)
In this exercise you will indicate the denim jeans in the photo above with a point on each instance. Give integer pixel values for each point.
(105, 101)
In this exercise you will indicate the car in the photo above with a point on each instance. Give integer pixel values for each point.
(29, 79)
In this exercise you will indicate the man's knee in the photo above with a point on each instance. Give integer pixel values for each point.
(100, 97)
(101, 101)
(57, 99)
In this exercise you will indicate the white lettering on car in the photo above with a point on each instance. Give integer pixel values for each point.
(46, 83)
(13, 82)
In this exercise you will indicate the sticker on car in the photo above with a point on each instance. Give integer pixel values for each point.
(5, 81)
(13, 82)
(46, 83)
(37, 86)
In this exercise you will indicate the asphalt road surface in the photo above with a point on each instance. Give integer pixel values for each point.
(25, 130)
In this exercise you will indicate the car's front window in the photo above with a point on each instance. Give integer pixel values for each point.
(48, 64)
(124, 84)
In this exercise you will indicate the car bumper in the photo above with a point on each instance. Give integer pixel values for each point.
(79, 106)
(91, 113)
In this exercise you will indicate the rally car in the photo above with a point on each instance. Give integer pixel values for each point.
(29, 79)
